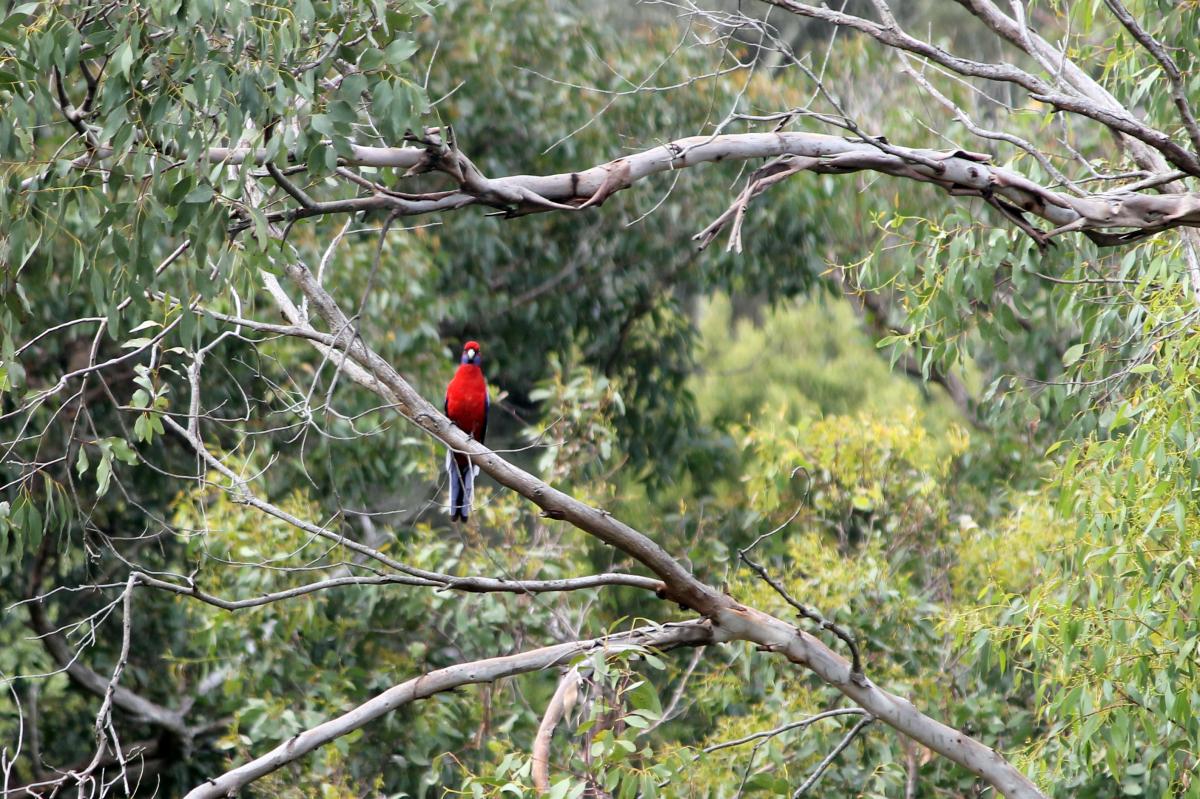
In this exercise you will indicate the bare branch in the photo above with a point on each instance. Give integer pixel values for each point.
(984, 133)
(782, 728)
(1008, 28)
(668, 636)
(805, 612)
(473, 585)
(832, 756)
(1112, 116)
(67, 660)
(104, 735)
(560, 704)
(422, 577)
(957, 171)
(668, 712)
(968, 174)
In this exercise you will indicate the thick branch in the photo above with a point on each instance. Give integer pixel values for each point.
(960, 173)
(691, 633)
(967, 174)
(1110, 115)
(731, 620)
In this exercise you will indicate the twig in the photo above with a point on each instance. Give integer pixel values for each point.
(829, 758)
(791, 725)
(856, 672)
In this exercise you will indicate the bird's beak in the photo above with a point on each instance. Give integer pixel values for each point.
(470, 355)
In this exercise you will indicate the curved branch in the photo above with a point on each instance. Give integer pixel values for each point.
(669, 636)
(957, 171)
(560, 704)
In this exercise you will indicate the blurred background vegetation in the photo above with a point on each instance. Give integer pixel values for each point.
(1012, 562)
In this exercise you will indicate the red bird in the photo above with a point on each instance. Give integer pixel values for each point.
(467, 405)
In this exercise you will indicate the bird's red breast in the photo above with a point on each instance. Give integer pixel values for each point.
(467, 400)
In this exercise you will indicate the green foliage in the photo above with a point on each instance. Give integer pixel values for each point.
(1031, 582)
(1105, 636)
(797, 360)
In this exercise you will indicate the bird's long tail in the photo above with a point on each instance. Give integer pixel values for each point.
(462, 486)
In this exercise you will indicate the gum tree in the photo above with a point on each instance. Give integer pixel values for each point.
(187, 296)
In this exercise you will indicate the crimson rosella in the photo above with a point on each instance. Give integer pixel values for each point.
(467, 405)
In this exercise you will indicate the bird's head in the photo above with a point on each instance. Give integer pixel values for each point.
(471, 353)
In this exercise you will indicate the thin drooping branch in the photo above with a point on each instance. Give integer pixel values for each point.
(873, 310)
(669, 712)
(760, 180)
(67, 660)
(730, 619)
(472, 585)
(805, 612)
(105, 735)
(692, 633)
(421, 577)
(824, 765)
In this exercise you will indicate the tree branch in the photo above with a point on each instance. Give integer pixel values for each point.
(470, 585)
(782, 728)
(560, 704)
(421, 577)
(692, 633)
(1156, 49)
(832, 756)
(1112, 116)
(960, 173)
(730, 619)
(67, 660)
